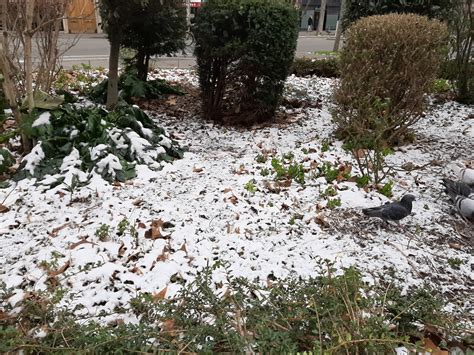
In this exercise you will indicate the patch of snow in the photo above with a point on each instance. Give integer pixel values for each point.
(110, 163)
(34, 158)
(43, 119)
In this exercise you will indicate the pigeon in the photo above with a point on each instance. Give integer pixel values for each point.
(464, 174)
(461, 197)
(394, 211)
(458, 188)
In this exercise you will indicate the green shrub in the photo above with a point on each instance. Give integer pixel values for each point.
(74, 141)
(244, 51)
(327, 67)
(388, 64)
(440, 85)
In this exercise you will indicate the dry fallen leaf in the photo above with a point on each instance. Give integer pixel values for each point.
(56, 230)
(82, 241)
(122, 250)
(197, 169)
(136, 270)
(183, 248)
(3, 208)
(154, 232)
(227, 189)
(232, 199)
(160, 295)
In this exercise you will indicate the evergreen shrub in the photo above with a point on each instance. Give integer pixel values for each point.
(387, 66)
(244, 51)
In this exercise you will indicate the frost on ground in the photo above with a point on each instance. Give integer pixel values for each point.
(201, 209)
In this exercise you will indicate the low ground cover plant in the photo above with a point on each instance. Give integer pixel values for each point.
(328, 313)
(74, 141)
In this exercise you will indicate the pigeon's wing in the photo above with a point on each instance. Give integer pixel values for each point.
(373, 211)
(394, 212)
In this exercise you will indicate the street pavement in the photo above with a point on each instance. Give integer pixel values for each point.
(93, 50)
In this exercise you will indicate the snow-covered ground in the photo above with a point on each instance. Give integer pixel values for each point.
(267, 233)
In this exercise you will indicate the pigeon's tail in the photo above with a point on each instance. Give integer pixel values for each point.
(465, 207)
(456, 188)
(373, 212)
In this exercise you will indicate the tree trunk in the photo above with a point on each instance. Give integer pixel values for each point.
(112, 87)
(142, 68)
(322, 15)
(337, 42)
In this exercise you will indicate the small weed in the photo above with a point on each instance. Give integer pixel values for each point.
(288, 156)
(363, 181)
(330, 191)
(103, 232)
(279, 169)
(455, 263)
(386, 189)
(260, 158)
(123, 226)
(296, 172)
(250, 186)
(329, 172)
(333, 203)
(264, 172)
(292, 221)
(326, 144)
(440, 86)
(305, 150)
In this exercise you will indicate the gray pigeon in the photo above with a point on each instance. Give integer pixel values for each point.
(461, 198)
(394, 211)
(458, 188)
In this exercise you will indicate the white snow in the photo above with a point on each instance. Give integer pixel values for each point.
(216, 218)
(43, 119)
(33, 158)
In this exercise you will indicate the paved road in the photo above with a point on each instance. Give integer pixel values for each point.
(94, 50)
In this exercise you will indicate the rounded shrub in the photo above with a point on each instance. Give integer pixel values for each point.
(387, 66)
(244, 51)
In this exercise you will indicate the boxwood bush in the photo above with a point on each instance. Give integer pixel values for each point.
(387, 66)
(244, 51)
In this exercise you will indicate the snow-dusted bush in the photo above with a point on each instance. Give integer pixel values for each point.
(75, 142)
(387, 66)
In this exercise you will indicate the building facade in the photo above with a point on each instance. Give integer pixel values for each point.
(312, 8)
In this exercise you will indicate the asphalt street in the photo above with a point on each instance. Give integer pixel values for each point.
(93, 49)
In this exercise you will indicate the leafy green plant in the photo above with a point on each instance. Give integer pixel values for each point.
(250, 186)
(386, 189)
(103, 232)
(260, 158)
(455, 263)
(334, 202)
(325, 145)
(80, 141)
(123, 226)
(296, 172)
(6, 160)
(363, 181)
(329, 192)
(265, 172)
(280, 171)
(329, 172)
(441, 86)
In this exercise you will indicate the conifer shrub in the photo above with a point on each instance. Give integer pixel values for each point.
(387, 66)
(244, 51)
